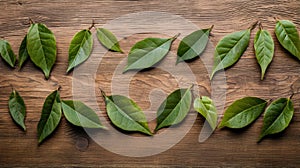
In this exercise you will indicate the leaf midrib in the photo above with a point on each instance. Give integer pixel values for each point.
(152, 50)
(287, 34)
(81, 44)
(277, 118)
(191, 47)
(252, 107)
(181, 99)
(126, 115)
(41, 46)
(48, 116)
(78, 113)
(238, 41)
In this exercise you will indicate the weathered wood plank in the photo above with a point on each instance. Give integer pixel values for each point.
(71, 146)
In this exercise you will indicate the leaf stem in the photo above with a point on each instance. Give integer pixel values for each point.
(253, 25)
(260, 26)
(210, 29)
(93, 24)
(276, 18)
(103, 93)
(30, 21)
(175, 37)
(291, 96)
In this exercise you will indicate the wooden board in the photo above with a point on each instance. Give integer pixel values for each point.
(72, 147)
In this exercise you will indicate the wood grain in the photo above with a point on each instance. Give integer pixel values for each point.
(72, 147)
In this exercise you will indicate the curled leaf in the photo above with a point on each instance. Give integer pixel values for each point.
(264, 49)
(146, 53)
(17, 108)
(80, 114)
(230, 49)
(288, 36)
(108, 40)
(174, 108)
(80, 48)
(206, 107)
(126, 114)
(41, 47)
(243, 112)
(192, 45)
(23, 54)
(50, 117)
(7, 53)
(277, 117)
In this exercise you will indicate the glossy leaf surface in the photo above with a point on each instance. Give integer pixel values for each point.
(41, 47)
(277, 117)
(146, 53)
(7, 53)
(206, 107)
(192, 45)
(288, 36)
(80, 48)
(23, 54)
(108, 40)
(126, 114)
(264, 50)
(50, 117)
(17, 108)
(174, 108)
(80, 114)
(243, 112)
(230, 49)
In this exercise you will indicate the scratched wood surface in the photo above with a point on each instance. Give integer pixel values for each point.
(73, 147)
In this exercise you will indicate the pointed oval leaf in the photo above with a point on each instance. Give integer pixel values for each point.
(80, 114)
(230, 49)
(17, 108)
(23, 54)
(206, 107)
(146, 53)
(192, 45)
(277, 117)
(174, 108)
(7, 53)
(264, 49)
(50, 117)
(243, 112)
(80, 48)
(41, 47)
(288, 36)
(108, 40)
(126, 114)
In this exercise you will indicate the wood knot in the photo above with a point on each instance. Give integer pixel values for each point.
(82, 144)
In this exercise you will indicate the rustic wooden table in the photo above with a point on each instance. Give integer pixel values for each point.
(72, 147)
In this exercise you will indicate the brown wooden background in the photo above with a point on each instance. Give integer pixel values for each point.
(71, 146)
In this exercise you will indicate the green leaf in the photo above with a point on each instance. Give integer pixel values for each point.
(277, 117)
(17, 108)
(230, 49)
(206, 107)
(243, 112)
(264, 49)
(108, 40)
(41, 47)
(174, 108)
(192, 45)
(146, 53)
(80, 48)
(50, 117)
(126, 114)
(7, 53)
(288, 36)
(23, 54)
(80, 115)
